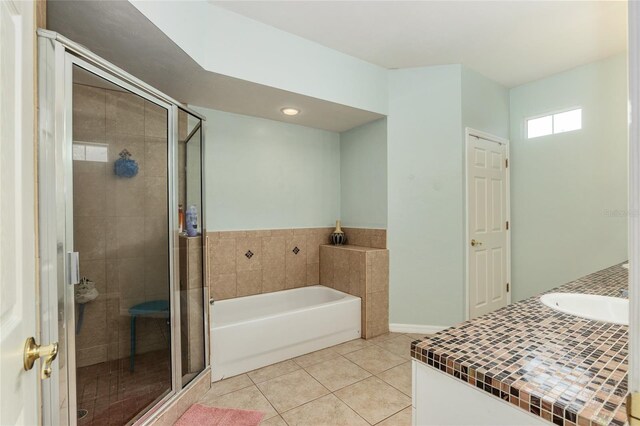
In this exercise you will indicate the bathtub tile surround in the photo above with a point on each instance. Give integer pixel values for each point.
(366, 237)
(362, 272)
(243, 263)
(570, 371)
(325, 387)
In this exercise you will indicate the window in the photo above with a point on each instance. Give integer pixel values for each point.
(554, 123)
(85, 151)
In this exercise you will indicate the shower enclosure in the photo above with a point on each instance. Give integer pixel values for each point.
(116, 160)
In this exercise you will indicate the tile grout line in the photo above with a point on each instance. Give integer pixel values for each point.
(269, 402)
(367, 345)
(334, 394)
(395, 387)
(279, 413)
(386, 418)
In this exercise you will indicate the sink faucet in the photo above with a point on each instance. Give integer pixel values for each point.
(624, 292)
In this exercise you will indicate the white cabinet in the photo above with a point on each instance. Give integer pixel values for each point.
(442, 400)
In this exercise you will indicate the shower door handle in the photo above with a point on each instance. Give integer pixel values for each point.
(73, 267)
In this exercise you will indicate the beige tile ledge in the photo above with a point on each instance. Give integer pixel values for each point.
(354, 247)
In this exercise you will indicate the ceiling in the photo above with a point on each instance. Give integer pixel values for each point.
(118, 32)
(511, 42)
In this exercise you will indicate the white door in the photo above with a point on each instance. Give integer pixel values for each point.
(487, 224)
(19, 394)
(634, 201)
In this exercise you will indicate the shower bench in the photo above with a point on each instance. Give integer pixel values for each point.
(154, 308)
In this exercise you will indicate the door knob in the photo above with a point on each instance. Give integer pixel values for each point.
(475, 243)
(33, 351)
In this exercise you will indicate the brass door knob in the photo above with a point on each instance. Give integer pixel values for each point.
(33, 351)
(475, 243)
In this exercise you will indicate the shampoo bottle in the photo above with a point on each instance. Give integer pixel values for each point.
(180, 219)
(192, 221)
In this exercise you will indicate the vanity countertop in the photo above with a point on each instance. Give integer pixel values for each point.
(565, 369)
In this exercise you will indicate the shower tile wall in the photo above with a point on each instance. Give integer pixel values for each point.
(120, 223)
(242, 263)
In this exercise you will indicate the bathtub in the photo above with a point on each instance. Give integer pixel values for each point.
(254, 331)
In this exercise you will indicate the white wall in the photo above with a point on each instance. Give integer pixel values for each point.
(264, 174)
(363, 175)
(231, 44)
(424, 149)
(563, 185)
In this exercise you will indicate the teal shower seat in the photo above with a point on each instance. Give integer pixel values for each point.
(157, 308)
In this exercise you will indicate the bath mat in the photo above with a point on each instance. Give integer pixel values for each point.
(200, 415)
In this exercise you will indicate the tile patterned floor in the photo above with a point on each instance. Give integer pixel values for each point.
(361, 382)
(113, 395)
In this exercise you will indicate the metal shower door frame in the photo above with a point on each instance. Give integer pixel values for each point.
(57, 56)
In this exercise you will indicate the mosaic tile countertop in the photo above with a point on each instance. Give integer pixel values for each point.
(565, 369)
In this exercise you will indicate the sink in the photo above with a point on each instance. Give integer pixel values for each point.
(614, 310)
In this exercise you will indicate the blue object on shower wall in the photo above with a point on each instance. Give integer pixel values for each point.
(125, 166)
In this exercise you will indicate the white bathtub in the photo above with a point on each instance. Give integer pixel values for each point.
(255, 331)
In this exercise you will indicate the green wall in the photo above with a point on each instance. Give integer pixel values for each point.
(429, 109)
(563, 185)
(485, 104)
(363, 175)
(264, 174)
(407, 172)
(424, 152)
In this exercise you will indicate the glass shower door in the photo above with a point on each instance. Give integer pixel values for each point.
(122, 327)
(192, 284)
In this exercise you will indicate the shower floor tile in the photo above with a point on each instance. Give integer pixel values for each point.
(284, 386)
(112, 395)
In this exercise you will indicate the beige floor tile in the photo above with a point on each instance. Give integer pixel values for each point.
(272, 371)
(274, 421)
(418, 336)
(292, 390)
(373, 399)
(246, 399)
(400, 346)
(351, 346)
(316, 357)
(229, 385)
(403, 418)
(325, 411)
(337, 373)
(399, 377)
(374, 359)
(384, 337)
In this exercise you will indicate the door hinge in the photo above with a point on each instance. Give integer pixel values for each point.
(507, 287)
(506, 163)
(633, 408)
(507, 224)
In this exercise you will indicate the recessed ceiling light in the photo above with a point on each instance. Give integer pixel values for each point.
(290, 111)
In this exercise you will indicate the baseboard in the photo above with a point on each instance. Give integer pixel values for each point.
(416, 328)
